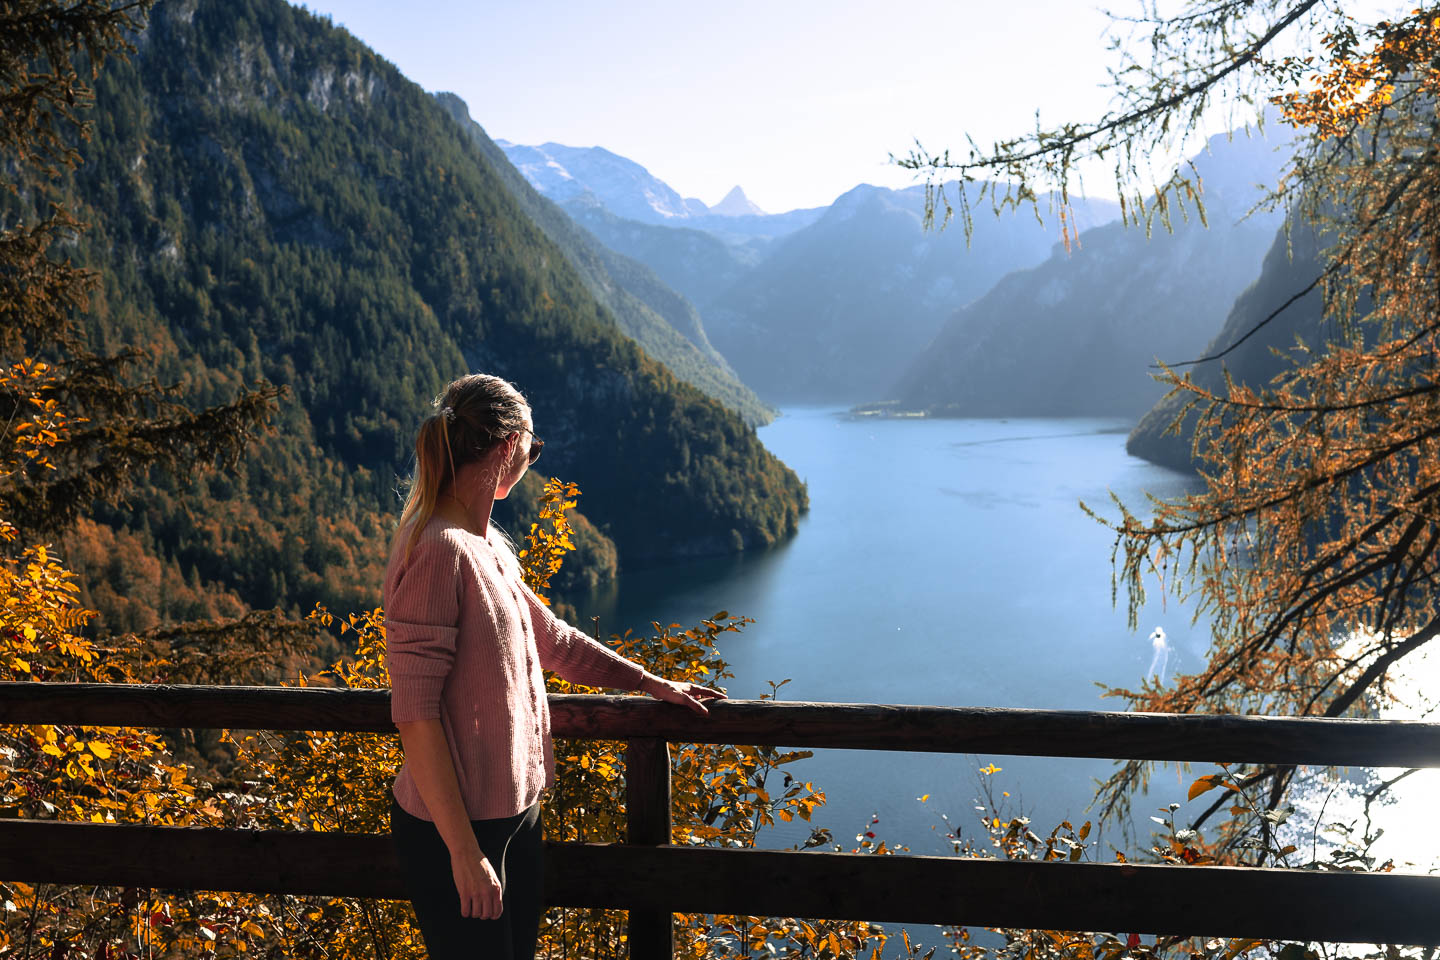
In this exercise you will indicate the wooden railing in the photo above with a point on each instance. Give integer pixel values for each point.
(652, 878)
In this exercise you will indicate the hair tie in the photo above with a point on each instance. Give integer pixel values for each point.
(446, 414)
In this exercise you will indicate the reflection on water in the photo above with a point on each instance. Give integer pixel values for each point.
(989, 499)
(681, 592)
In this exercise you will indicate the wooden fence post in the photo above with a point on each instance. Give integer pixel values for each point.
(647, 812)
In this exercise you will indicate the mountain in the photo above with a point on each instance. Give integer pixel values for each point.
(629, 190)
(582, 179)
(268, 198)
(736, 204)
(1078, 335)
(1290, 266)
(696, 262)
(824, 304)
(836, 310)
(658, 318)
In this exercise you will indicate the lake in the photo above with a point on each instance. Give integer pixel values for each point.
(942, 562)
(948, 562)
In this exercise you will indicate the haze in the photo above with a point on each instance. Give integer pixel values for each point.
(795, 102)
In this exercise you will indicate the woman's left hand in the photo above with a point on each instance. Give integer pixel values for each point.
(690, 695)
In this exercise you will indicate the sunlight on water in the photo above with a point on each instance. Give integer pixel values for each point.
(1330, 811)
(1412, 834)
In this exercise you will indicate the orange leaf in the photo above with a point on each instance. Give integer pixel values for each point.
(1204, 785)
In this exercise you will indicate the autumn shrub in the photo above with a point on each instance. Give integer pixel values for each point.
(722, 795)
(100, 774)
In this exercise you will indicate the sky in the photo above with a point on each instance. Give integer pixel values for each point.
(796, 101)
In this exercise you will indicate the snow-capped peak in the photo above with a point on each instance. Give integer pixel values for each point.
(736, 204)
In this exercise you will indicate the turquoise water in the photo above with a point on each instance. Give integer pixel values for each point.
(942, 562)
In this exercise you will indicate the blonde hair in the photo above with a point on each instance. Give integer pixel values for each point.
(472, 416)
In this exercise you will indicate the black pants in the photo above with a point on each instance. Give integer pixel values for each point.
(513, 847)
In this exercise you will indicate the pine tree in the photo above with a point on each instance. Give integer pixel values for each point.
(120, 425)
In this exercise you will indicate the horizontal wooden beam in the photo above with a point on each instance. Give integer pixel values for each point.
(1010, 731)
(1122, 898)
(990, 731)
(175, 706)
(198, 858)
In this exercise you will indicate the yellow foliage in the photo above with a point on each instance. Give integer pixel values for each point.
(723, 795)
(97, 774)
(549, 539)
(1356, 84)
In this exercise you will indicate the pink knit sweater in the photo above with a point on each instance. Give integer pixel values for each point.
(466, 641)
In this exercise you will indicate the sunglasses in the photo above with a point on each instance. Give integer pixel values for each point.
(536, 444)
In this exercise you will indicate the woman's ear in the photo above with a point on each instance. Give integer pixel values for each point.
(503, 451)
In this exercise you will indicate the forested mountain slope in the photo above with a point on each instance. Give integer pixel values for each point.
(658, 318)
(1291, 265)
(693, 261)
(836, 311)
(269, 198)
(1079, 334)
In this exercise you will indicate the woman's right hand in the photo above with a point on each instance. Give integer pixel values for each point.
(477, 884)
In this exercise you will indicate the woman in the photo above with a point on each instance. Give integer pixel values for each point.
(466, 643)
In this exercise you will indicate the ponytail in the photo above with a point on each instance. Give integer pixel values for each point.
(433, 461)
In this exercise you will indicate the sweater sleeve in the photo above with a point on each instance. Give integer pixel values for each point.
(576, 657)
(422, 616)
